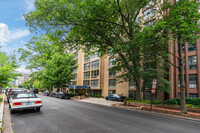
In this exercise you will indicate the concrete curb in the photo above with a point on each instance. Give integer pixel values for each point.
(157, 113)
(1, 111)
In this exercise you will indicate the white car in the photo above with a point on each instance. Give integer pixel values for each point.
(24, 100)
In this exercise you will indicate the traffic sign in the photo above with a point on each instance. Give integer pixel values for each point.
(153, 91)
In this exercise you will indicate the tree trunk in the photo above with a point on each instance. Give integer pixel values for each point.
(139, 90)
(182, 80)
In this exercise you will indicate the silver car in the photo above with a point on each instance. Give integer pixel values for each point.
(24, 100)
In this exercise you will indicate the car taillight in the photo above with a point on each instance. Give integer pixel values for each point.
(17, 103)
(37, 102)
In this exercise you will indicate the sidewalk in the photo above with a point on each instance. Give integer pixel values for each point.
(100, 101)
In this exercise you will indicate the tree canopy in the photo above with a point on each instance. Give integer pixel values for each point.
(8, 65)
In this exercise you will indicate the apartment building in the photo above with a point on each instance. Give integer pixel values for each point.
(93, 72)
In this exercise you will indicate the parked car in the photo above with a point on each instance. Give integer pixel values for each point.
(35, 91)
(62, 95)
(46, 93)
(53, 94)
(14, 91)
(24, 100)
(115, 97)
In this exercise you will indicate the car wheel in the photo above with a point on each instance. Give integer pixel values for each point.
(68, 98)
(38, 109)
(60, 97)
(12, 111)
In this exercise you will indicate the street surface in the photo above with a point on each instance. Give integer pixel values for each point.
(70, 116)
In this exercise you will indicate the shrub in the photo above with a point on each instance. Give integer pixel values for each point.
(156, 102)
(176, 101)
(130, 98)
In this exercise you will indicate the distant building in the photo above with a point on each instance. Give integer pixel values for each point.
(23, 78)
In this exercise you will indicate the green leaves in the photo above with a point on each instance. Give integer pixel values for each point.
(8, 64)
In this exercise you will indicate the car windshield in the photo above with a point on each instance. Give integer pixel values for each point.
(25, 95)
(17, 91)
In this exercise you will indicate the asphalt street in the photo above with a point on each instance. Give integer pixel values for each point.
(70, 116)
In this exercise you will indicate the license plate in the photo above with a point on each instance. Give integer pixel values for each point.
(28, 103)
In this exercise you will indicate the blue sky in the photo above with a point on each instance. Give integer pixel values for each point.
(13, 32)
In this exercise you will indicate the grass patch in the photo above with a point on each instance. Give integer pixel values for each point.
(146, 101)
(1, 97)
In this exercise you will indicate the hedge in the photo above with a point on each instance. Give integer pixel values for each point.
(176, 101)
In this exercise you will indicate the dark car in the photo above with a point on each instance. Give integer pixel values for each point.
(46, 93)
(115, 97)
(53, 94)
(63, 95)
(35, 91)
(14, 91)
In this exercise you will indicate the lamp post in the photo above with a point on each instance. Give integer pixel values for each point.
(74, 90)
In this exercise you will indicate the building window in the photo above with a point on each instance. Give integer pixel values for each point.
(112, 73)
(76, 55)
(87, 66)
(132, 94)
(74, 77)
(194, 95)
(146, 95)
(86, 75)
(112, 83)
(132, 84)
(112, 62)
(95, 74)
(192, 47)
(111, 92)
(94, 56)
(86, 59)
(95, 83)
(75, 70)
(192, 81)
(95, 64)
(74, 83)
(86, 83)
(192, 62)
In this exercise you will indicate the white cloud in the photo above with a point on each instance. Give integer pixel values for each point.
(6, 35)
(29, 5)
(19, 33)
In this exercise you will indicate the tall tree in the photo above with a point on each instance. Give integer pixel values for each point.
(48, 57)
(8, 65)
(59, 70)
(99, 25)
(178, 23)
